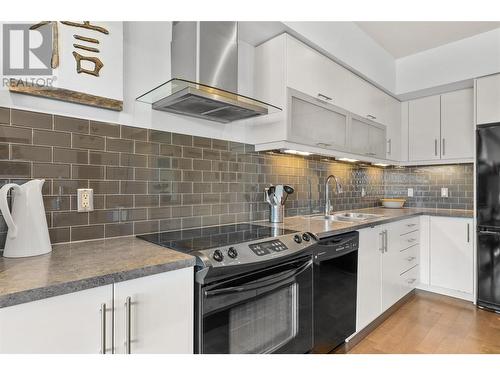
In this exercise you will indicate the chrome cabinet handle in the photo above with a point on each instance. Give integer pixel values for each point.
(411, 281)
(103, 328)
(411, 225)
(389, 142)
(321, 144)
(411, 240)
(128, 304)
(320, 95)
(409, 259)
(444, 147)
(371, 117)
(381, 248)
(435, 147)
(385, 242)
(468, 232)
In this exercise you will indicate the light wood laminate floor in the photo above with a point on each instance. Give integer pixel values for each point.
(431, 323)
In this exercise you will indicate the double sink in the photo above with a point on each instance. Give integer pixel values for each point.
(351, 217)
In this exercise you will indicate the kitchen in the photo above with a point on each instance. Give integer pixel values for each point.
(252, 187)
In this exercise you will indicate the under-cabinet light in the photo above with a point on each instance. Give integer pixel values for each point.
(348, 160)
(381, 165)
(295, 152)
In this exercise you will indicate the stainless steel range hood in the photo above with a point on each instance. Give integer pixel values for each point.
(205, 67)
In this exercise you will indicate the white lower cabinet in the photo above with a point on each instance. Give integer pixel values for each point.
(451, 254)
(387, 267)
(153, 314)
(71, 323)
(369, 302)
(160, 319)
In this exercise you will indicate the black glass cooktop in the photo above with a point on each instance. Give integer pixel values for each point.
(189, 240)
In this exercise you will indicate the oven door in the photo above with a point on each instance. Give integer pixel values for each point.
(268, 311)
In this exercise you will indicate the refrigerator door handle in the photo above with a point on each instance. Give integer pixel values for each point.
(489, 232)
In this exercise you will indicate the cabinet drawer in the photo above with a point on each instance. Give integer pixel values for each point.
(409, 239)
(409, 280)
(408, 258)
(405, 226)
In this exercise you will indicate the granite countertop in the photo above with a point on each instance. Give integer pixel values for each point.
(323, 228)
(82, 265)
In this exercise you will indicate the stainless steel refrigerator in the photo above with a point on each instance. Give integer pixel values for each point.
(488, 215)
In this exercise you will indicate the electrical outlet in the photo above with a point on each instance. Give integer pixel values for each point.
(410, 192)
(85, 200)
(444, 192)
(363, 192)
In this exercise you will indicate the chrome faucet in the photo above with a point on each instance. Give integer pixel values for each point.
(338, 190)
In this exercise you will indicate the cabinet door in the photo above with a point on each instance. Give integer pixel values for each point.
(424, 128)
(394, 127)
(315, 123)
(391, 265)
(360, 137)
(377, 141)
(457, 125)
(451, 253)
(312, 73)
(367, 137)
(369, 277)
(154, 314)
(488, 99)
(67, 324)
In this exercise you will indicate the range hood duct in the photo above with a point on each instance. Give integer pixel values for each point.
(205, 66)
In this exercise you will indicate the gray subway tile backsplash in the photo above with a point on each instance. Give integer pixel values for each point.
(146, 180)
(4, 115)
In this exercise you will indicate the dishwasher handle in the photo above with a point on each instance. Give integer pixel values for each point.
(335, 246)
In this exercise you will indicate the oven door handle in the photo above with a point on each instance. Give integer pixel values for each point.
(258, 285)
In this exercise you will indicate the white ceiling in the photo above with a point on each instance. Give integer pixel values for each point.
(404, 38)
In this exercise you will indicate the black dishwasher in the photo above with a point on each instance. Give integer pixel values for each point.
(335, 281)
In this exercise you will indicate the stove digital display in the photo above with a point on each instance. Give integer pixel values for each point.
(264, 248)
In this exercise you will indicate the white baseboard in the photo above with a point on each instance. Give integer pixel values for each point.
(447, 292)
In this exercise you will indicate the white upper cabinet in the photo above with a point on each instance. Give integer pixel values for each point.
(367, 137)
(488, 99)
(394, 148)
(313, 73)
(284, 64)
(424, 117)
(457, 124)
(317, 123)
(440, 127)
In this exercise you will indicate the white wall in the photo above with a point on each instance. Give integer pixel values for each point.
(350, 46)
(454, 62)
(146, 65)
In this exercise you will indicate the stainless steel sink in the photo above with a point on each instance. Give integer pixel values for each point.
(352, 217)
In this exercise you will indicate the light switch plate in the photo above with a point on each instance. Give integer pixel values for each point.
(363, 192)
(444, 192)
(85, 200)
(410, 192)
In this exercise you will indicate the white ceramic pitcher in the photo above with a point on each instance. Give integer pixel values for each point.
(28, 234)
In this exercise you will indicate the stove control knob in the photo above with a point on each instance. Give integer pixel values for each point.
(218, 256)
(306, 237)
(232, 252)
(297, 238)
